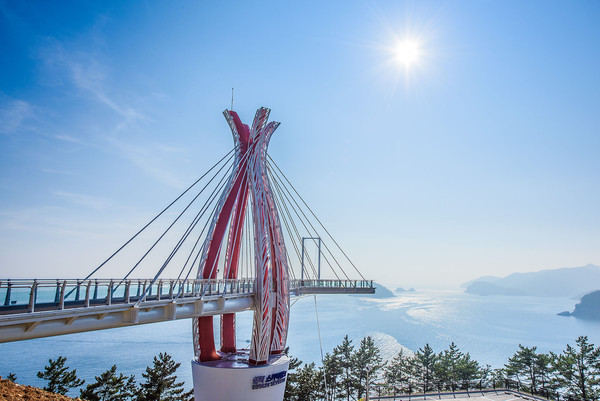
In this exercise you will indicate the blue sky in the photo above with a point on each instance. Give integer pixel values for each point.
(481, 159)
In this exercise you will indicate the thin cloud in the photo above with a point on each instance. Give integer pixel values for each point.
(57, 221)
(92, 202)
(67, 138)
(59, 172)
(13, 114)
(148, 159)
(88, 74)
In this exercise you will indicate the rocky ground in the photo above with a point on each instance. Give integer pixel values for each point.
(10, 391)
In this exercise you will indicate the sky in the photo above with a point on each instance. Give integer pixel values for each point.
(480, 158)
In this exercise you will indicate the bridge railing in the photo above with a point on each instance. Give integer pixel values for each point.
(24, 295)
(331, 283)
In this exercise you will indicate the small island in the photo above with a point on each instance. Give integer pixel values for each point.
(587, 308)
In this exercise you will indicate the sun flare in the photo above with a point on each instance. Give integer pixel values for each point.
(407, 52)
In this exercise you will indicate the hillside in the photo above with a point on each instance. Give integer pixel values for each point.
(563, 282)
(382, 292)
(10, 391)
(589, 307)
(485, 288)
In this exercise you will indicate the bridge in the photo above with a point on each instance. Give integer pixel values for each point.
(43, 308)
(223, 246)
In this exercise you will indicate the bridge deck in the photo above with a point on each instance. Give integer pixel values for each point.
(43, 308)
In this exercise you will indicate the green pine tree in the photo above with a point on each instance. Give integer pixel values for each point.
(110, 387)
(309, 380)
(333, 372)
(291, 383)
(446, 368)
(12, 377)
(526, 365)
(425, 360)
(467, 370)
(578, 370)
(160, 384)
(367, 363)
(398, 373)
(59, 378)
(345, 353)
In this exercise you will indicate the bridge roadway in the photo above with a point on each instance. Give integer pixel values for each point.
(44, 308)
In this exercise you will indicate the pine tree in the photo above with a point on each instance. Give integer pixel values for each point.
(367, 362)
(544, 368)
(345, 353)
(309, 383)
(59, 378)
(110, 387)
(486, 376)
(467, 370)
(578, 370)
(425, 360)
(526, 367)
(160, 384)
(291, 383)
(446, 368)
(12, 377)
(398, 373)
(333, 372)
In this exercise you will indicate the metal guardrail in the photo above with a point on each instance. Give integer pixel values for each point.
(43, 308)
(411, 390)
(457, 394)
(332, 283)
(305, 287)
(26, 296)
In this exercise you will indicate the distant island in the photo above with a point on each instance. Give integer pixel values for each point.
(383, 292)
(380, 292)
(563, 282)
(400, 290)
(587, 308)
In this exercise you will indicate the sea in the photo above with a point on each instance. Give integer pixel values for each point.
(490, 328)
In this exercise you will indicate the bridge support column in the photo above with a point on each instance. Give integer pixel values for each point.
(234, 380)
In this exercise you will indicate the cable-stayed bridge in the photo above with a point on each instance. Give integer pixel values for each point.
(221, 247)
(43, 308)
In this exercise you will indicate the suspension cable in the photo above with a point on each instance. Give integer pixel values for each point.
(279, 185)
(281, 203)
(319, 221)
(282, 200)
(160, 214)
(187, 232)
(171, 225)
(313, 228)
(321, 345)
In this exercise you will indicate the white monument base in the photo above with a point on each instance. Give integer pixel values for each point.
(233, 379)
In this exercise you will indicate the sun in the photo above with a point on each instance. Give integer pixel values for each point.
(407, 52)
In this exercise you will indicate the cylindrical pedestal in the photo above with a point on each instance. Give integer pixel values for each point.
(232, 379)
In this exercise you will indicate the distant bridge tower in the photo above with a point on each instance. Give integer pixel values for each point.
(227, 374)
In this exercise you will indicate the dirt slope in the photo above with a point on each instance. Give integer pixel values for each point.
(10, 391)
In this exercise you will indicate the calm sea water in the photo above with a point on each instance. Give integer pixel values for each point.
(490, 328)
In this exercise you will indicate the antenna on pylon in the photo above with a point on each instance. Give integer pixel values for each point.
(231, 99)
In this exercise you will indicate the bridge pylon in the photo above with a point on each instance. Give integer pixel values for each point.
(248, 190)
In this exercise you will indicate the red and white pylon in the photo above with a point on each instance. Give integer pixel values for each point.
(248, 185)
